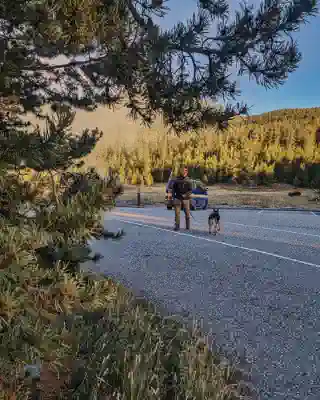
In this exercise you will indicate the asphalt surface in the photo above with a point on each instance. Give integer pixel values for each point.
(256, 285)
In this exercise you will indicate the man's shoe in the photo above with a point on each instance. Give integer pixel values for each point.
(176, 228)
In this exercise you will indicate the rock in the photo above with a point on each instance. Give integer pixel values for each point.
(294, 194)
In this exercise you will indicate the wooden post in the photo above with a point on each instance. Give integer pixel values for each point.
(138, 196)
(139, 187)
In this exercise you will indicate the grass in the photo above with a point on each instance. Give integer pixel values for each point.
(92, 339)
(117, 130)
(275, 196)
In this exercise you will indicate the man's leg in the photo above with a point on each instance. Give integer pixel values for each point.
(186, 208)
(177, 209)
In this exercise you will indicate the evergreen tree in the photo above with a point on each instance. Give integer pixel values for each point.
(243, 157)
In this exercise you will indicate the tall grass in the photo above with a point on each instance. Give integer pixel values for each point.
(92, 339)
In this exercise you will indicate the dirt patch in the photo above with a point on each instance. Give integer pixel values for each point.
(275, 196)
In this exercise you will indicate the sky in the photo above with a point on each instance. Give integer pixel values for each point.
(302, 89)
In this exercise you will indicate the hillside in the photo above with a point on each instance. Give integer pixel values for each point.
(276, 146)
(280, 146)
(293, 113)
(117, 127)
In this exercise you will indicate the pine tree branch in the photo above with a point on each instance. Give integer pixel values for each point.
(137, 17)
(159, 72)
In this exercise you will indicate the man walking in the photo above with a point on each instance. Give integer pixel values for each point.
(181, 193)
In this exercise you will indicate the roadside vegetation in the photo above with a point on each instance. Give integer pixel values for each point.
(65, 334)
(82, 337)
(271, 196)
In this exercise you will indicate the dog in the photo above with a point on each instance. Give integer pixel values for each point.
(214, 220)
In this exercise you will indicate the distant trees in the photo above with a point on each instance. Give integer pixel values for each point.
(281, 146)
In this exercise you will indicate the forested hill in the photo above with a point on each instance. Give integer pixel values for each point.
(288, 113)
(277, 146)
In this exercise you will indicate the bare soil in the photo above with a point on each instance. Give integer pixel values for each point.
(275, 196)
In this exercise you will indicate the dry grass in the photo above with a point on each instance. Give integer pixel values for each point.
(236, 196)
(92, 339)
(118, 129)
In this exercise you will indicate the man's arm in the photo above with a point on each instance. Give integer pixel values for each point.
(173, 190)
(188, 194)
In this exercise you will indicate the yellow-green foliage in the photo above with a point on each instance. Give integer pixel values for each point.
(30, 175)
(280, 145)
(92, 337)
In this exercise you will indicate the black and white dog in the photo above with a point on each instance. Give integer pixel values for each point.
(214, 220)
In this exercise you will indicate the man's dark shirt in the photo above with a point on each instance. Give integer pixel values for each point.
(182, 188)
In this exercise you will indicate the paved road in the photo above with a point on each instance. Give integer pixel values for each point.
(256, 285)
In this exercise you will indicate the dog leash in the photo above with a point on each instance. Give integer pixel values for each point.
(194, 218)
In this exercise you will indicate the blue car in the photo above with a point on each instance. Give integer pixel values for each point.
(199, 198)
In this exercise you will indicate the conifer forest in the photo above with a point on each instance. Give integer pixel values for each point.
(281, 146)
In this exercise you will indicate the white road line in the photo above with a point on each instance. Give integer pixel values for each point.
(314, 214)
(251, 226)
(260, 212)
(294, 260)
(271, 229)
